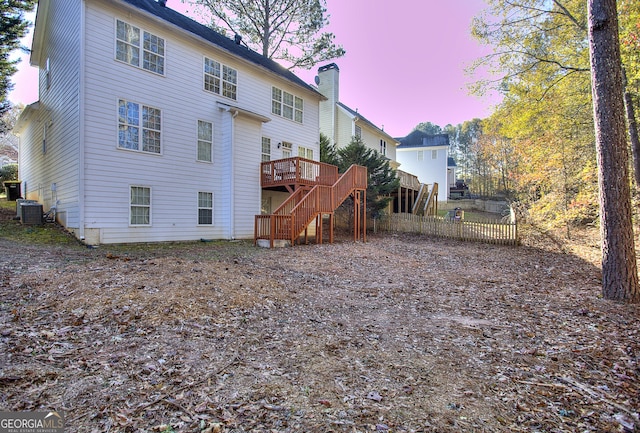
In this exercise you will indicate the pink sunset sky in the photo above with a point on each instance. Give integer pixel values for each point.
(404, 65)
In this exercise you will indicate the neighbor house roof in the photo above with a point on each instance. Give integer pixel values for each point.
(419, 138)
(451, 162)
(358, 117)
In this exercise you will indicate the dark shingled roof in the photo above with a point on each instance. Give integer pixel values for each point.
(191, 26)
(418, 138)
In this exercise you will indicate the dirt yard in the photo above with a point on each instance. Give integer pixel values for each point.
(399, 334)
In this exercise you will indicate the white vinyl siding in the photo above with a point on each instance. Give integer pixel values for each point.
(205, 141)
(140, 209)
(129, 48)
(139, 127)
(86, 87)
(220, 79)
(205, 208)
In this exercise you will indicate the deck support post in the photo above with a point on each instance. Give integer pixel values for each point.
(364, 217)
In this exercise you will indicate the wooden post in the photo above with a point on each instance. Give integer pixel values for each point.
(364, 217)
(331, 228)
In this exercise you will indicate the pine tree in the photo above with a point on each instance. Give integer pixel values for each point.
(382, 179)
(619, 269)
(13, 27)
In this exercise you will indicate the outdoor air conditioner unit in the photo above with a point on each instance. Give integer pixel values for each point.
(31, 213)
(19, 203)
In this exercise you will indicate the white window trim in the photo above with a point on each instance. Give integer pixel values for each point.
(150, 206)
(282, 105)
(288, 147)
(211, 208)
(221, 78)
(140, 137)
(265, 141)
(141, 48)
(198, 141)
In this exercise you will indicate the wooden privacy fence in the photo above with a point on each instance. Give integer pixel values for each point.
(492, 232)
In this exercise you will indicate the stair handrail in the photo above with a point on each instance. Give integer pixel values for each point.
(418, 202)
(303, 206)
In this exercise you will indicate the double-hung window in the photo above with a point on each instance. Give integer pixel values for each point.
(220, 79)
(139, 127)
(139, 48)
(140, 206)
(383, 147)
(266, 149)
(205, 141)
(286, 105)
(205, 208)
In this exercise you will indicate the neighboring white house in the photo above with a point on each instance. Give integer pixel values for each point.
(341, 123)
(152, 127)
(427, 156)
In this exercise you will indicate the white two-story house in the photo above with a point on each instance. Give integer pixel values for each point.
(427, 156)
(152, 127)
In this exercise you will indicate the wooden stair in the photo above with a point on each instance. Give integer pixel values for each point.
(306, 205)
(427, 202)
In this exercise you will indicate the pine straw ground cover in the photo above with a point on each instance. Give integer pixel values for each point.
(399, 334)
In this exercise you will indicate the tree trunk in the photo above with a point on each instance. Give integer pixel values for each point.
(633, 131)
(619, 268)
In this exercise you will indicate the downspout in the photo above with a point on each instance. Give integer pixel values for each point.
(232, 200)
(81, 126)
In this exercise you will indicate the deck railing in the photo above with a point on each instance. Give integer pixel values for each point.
(408, 180)
(297, 171)
(302, 207)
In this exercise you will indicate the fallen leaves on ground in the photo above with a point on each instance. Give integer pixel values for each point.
(399, 334)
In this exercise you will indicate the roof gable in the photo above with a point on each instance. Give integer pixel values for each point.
(191, 26)
(357, 116)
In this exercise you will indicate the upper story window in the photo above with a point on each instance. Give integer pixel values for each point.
(286, 105)
(220, 79)
(434, 154)
(205, 141)
(420, 155)
(358, 132)
(383, 147)
(139, 48)
(139, 127)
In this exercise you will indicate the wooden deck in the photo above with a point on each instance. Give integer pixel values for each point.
(316, 190)
(293, 173)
